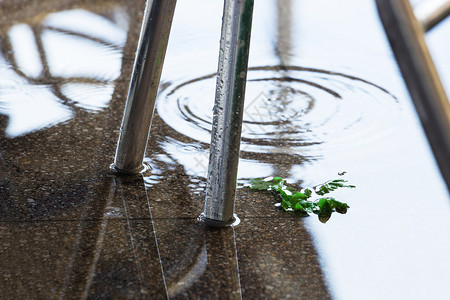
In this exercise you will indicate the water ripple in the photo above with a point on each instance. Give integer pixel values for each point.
(290, 109)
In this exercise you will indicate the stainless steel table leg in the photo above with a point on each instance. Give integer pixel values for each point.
(144, 84)
(228, 112)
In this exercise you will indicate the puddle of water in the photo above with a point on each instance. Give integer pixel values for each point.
(20, 102)
(342, 106)
(317, 107)
(89, 96)
(26, 52)
(65, 61)
(290, 110)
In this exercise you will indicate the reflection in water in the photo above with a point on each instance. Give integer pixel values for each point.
(188, 277)
(26, 51)
(21, 102)
(381, 248)
(90, 96)
(64, 62)
(289, 110)
(201, 259)
(115, 253)
(112, 31)
(284, 34)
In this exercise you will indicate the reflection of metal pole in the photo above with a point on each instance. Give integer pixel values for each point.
(228, 112)
(432, 12)
(284, 26)
(406, 37)
(141, 98)
(283, 92)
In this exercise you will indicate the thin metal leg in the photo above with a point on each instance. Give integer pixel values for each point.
(406, 37)
(228, 112)
(144, 84)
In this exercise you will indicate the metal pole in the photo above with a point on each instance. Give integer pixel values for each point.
(144, 84)
(406, 37)
(228, 113)
(432, 12)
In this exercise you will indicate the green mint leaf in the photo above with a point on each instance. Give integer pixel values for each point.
(324, 189)
(309, 206)
(324, 217)
(285, 204)
(286, 200)
(307, 192)
(300, 202)
(299, 207)
(277, 180)
(301, 196)
(338, 206)
(332, 185)
(260, 184)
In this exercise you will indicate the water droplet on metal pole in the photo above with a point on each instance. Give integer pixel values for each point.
(228, 113)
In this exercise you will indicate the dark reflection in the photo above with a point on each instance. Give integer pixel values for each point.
(117, 256)
(109, 252)
(199, 262)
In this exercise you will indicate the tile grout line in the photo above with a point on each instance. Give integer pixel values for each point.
(156, 242)
(98, 244)
(137, 219)
(237, 264)
(138, 264)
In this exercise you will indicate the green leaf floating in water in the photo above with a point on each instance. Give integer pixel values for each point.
(261, 185)
(300, 201)
(330, 186)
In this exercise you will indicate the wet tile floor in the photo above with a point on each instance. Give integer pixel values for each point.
(71, 229)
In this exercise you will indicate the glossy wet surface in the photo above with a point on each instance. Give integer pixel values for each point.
(323, 96)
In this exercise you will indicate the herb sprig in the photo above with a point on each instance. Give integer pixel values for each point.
(300, 201)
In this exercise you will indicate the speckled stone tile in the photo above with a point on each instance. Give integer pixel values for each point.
(127, 264)
(277, 260)
(96, 198)
(260, 258)
(35, 257)
(73, 260)
(198, 262)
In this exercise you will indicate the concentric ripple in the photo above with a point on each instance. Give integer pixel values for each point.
(290, 109)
